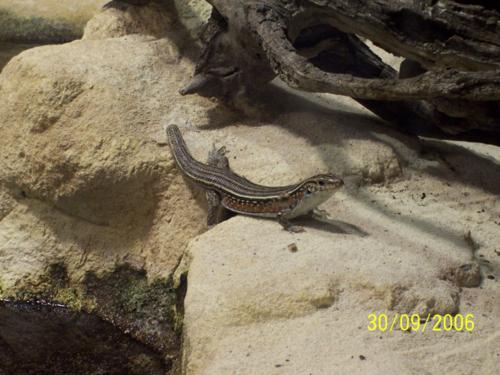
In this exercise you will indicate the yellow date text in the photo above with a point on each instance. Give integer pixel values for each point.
(381, 322)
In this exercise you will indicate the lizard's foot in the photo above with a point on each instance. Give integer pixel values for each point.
(285, 223)
(221, 151)
(320, 214)
(217, 157)
(295, 229)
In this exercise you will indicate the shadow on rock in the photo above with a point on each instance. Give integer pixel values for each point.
(331, 225)
(51, 339)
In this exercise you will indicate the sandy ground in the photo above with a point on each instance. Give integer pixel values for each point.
(395, 246)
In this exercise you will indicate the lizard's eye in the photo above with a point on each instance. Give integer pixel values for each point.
(321, 182)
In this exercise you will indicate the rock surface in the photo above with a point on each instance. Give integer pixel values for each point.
(80, 150)
(255, 307)
(85, 187)
(87, 184)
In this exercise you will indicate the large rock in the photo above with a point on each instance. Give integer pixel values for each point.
(77, 142)
(263, 301)
(92, 212)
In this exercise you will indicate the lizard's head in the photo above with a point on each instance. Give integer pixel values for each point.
(322, 183)
(316, 190)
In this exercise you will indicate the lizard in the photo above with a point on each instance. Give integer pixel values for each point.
(227, 191)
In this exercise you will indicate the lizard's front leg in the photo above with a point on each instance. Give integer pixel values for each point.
(217, 158)
(285, 222)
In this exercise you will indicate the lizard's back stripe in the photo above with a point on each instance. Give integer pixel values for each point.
(218, 178)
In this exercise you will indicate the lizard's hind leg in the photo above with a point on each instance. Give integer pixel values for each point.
(216, 212)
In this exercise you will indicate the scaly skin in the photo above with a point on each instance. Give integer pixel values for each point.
(237, 194)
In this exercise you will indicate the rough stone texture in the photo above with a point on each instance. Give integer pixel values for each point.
(45, 20)
(86, 188)
(118, 187)
(255, 307)
(95, 169)
(87, 182)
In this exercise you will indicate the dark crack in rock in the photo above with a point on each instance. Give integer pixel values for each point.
(51, 339)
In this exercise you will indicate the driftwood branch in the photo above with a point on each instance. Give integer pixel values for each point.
(299, 72)
(448, 86)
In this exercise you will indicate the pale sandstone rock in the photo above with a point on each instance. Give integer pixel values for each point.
(75, 145)
(255, 307)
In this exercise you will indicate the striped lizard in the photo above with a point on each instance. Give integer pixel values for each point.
(226, 190)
